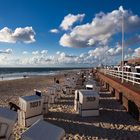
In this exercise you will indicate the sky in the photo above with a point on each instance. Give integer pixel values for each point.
(67, 33)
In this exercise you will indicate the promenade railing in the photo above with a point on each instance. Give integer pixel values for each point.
(132, 77)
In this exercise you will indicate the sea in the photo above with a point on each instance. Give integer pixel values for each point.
(20, 73)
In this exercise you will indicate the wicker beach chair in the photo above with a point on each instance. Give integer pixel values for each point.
(7, 120)
(42, 130)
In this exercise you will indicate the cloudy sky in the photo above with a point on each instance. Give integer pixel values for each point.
(67, 33)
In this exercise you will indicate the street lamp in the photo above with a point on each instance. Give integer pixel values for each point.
(122, 46)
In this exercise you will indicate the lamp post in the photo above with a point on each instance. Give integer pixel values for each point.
(122, 47)
(106, 55)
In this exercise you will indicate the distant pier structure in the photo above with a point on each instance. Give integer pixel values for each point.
(127, 93)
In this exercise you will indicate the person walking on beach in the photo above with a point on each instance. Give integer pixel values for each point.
(54, 80)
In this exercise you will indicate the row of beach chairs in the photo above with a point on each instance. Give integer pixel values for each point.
(31, 111)
(86, 101)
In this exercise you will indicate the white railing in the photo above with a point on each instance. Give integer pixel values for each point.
(132, 77)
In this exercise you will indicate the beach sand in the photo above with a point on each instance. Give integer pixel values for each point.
(113, 123)
(12, 89)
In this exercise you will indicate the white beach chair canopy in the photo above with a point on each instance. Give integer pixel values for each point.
(7, 120)
(42, 130)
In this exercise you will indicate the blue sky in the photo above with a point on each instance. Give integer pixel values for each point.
(32, 33)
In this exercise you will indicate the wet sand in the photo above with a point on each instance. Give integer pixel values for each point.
(113, 123)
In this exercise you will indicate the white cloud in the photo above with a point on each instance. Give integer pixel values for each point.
(7, 51)
(100, 30)
(83, 55)
(24, 52)
(35, 52)
(6, 35)
(70, 19)
(44, 52)
(127, 56)
(42, 58)
(101, 55)
(115, 51)
(131, 53)
(37, 58)
(61, 58)
(106, 55)
(136, 52)
(4, 60)
(25, 35)
(54, 31)
(99, 52)
(57, 52)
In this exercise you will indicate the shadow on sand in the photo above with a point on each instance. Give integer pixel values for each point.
(112, 123)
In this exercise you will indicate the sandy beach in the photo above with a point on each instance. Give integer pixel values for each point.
(12, 89)
(113, 123)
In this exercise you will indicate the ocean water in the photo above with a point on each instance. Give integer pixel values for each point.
(19, 73)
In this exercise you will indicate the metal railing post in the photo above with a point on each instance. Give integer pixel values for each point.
(133, 79)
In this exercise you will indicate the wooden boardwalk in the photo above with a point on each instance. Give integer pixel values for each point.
(126, 93)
